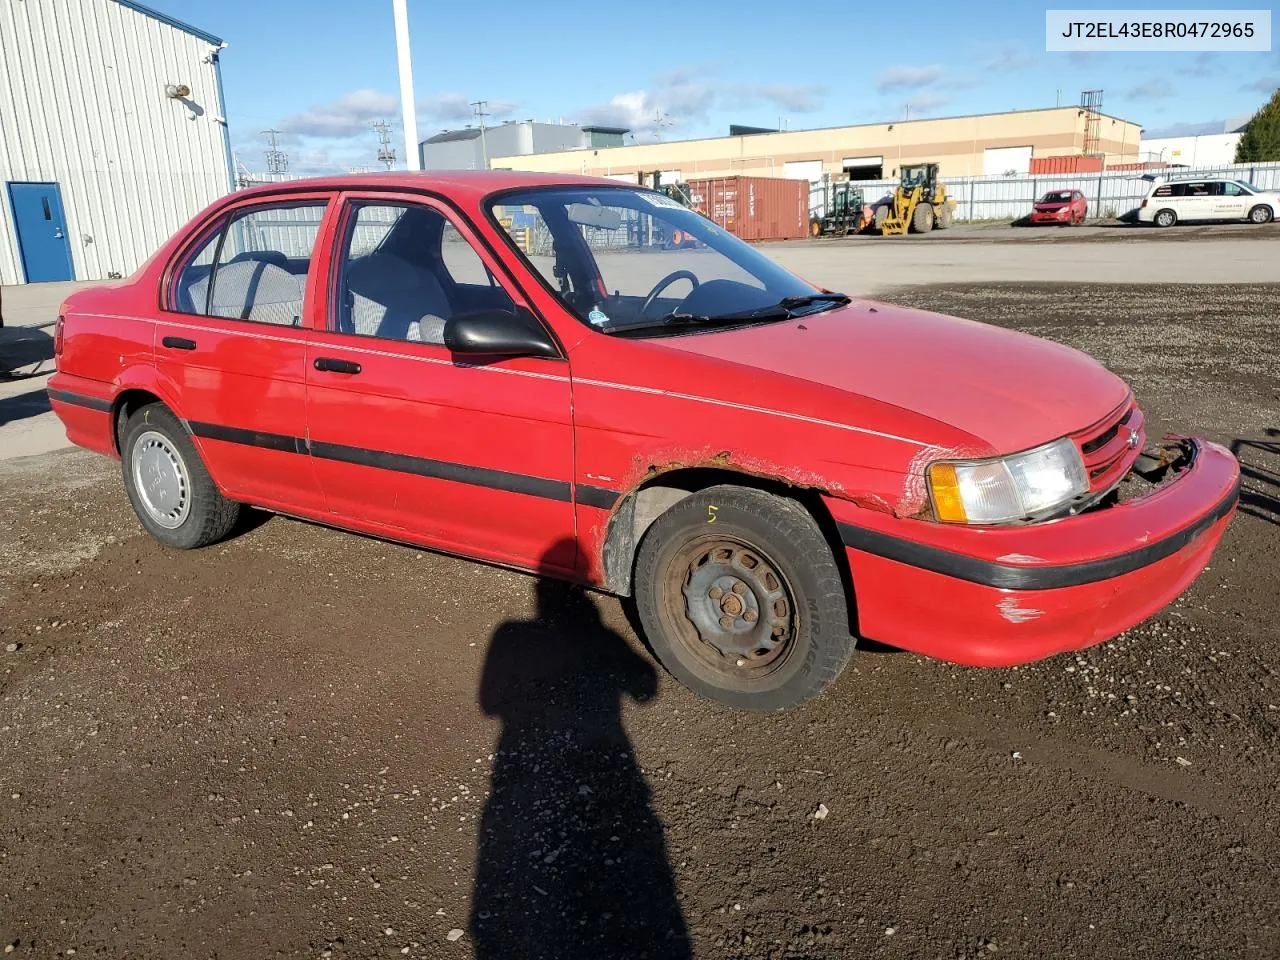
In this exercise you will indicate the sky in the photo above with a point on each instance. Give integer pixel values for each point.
(324, 71)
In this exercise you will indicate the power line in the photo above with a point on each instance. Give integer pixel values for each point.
(386, 152)
(481, 114)
(277, 159)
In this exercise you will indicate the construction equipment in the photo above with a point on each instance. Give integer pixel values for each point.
(844, 211)
(919, 204)
(672, 237)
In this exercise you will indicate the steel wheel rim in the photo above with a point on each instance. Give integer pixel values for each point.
(160, 476)
(731, 607)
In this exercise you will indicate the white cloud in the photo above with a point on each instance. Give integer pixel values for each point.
(1007, 60)
(1157, 88)
(1267, 85)
(348, 116)
(907, 78)
(687, 96)
(927, 102)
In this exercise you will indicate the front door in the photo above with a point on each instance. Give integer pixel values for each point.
(232, 346)
(42, 231)
(471, 457)
(1233, 203)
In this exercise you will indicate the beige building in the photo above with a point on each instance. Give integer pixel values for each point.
(992, 143)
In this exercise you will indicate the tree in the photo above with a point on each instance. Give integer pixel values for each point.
(1260, 141)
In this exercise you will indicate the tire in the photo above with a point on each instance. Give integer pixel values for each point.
(815, 227)
(1260, 214)
(182, 508)
(771, 554)
(945, 218)
(882, 214)
(1165, 218)
(922, 219)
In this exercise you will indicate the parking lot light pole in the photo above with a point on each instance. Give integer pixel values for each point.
(407, 106)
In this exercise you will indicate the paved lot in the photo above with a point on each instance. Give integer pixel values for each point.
(302, 743)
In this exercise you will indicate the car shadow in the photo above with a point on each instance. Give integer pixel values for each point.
(23, 406)
(572, 861)
(25, 352)
(1259, 475)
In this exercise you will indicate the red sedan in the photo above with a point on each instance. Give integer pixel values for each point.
(515, 368)
(1067, 207)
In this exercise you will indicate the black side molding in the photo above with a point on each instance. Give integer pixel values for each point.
(79, 400)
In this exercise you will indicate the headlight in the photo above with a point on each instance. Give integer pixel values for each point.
(1008, 488)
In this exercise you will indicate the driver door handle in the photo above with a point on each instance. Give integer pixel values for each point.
(335, 365)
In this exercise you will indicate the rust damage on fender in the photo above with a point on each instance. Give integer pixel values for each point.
(644, 469)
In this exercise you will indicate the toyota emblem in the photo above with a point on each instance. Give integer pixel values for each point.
(1133, 438)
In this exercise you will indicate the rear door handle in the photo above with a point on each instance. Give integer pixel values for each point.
(334, 365)
(179, 343)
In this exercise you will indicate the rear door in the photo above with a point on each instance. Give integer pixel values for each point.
(1198, 200)
(232, 345)
(474, 457)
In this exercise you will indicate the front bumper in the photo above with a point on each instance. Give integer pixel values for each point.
(999, 596)
(1051, 216)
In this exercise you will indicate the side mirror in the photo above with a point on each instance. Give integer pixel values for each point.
(498, 333)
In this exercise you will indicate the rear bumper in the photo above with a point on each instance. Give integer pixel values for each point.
(84, 407)
(999, 597)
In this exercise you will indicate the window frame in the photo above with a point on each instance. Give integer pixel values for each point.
(216, 227)
(349, 202)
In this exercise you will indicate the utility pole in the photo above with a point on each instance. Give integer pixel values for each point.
(660, 120)
(408, 108)
(479, 106)
(277, 159)
(386, 152)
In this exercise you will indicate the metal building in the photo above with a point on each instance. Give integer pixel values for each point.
(470, 147)
(113, 134)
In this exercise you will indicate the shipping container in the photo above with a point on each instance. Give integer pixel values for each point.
(754, 208)
(1144, 165)
(1079, 163)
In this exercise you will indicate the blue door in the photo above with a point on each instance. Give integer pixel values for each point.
(42, 231)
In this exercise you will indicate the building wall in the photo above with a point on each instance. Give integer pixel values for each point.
(514, 139)
(451, 155)
(958, 144)
(83, 104)
(1204, 151)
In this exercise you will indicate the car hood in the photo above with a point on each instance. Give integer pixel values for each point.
(1009, 389)
(1051, 206)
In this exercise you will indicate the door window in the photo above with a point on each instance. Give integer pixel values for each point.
(405, 270)
(253, 268)
(1235, 190)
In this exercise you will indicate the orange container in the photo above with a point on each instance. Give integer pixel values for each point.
(754, 208)
(1077, 163)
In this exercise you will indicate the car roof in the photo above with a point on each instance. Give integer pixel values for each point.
(471, 183)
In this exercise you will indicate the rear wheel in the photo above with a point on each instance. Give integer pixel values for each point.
(1260, 214)
(741, 599)
(945, 218)
(815, 227)
(168, 485)
(1165, 218)
(922, 219)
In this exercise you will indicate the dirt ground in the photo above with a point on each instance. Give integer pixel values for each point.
(303, 743)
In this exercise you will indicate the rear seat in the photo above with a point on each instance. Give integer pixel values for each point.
(254, 290)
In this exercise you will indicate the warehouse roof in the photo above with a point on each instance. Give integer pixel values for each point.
(450, 136)
(171, 21)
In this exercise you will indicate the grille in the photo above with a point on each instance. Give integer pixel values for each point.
(1106, 448)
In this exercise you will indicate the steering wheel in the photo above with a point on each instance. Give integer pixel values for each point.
(665, 282)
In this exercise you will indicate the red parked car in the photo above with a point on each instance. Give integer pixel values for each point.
(511, 367)
(1061, 207)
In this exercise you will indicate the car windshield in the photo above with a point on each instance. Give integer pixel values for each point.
(1059, 196)
(636, 262)
(1249, 186)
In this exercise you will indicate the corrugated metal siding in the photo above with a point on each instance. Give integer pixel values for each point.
(82, 104)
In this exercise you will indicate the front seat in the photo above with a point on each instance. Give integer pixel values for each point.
(396, 300)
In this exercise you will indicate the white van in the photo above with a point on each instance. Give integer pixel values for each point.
(1208, 198)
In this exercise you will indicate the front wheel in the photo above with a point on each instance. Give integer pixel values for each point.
(1260, 214)
(741, 599)
(168, 485)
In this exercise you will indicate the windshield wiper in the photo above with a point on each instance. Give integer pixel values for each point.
(784, 309)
